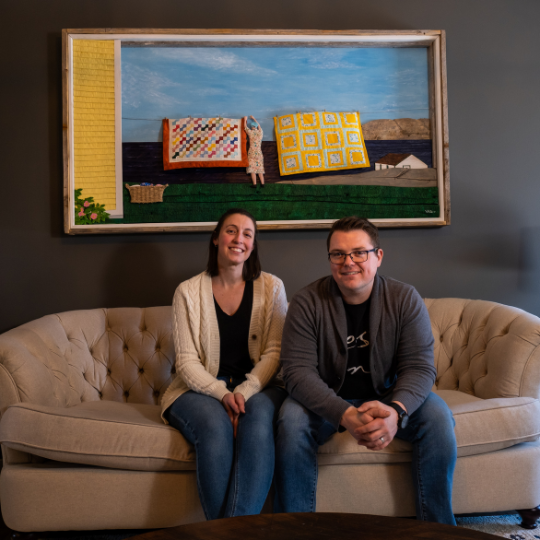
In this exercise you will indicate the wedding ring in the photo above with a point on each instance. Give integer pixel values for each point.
(382, 439)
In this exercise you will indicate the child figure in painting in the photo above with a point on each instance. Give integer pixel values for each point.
(255, 155)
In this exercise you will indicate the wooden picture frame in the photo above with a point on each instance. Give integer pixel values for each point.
(83, 155)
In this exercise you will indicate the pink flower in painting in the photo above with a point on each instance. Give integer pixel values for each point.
(93, 216)
(86, 204)
(81, 213)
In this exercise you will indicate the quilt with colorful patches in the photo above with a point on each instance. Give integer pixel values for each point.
(320, 141)
(204, 142)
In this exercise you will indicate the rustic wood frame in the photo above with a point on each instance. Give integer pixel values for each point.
(434, 40)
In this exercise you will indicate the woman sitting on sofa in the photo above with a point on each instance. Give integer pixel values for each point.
(227, 325)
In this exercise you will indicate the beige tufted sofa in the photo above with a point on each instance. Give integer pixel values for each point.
(84, 446)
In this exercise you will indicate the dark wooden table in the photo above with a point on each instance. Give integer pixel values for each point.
(317, 526)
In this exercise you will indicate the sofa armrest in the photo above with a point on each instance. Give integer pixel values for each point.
(33, 370)
(9, 393)
(485, 349)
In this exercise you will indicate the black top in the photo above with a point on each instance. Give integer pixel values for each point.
(357, 383)
(234, 359)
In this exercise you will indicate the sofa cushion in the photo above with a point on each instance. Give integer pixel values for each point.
(133, 436)
(482, 425)
(486, 425)
(102, 433)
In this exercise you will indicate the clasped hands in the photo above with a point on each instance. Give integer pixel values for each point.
(234, 404)
(373, 424)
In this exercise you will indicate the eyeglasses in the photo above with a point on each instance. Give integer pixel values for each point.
(337, 257)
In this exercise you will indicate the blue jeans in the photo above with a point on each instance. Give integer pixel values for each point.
(233, 475)
(430, 430)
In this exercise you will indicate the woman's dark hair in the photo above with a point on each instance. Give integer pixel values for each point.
(353, 223)
(252, 267)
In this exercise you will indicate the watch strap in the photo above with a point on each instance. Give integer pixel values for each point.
(401, 412)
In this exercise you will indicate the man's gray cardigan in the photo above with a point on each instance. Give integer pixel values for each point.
(314, 350)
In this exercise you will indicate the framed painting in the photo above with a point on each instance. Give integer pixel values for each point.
(164, 130)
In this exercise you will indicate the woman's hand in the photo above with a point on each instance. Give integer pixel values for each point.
(234, 405)
(241, 402)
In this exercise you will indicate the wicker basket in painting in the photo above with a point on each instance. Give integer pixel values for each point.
(146, 194)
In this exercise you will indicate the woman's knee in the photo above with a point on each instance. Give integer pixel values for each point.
(265, 405)
(199, 417)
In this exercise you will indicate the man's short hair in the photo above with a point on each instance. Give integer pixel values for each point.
(353, 223)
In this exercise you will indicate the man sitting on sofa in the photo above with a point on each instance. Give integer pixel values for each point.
(357, 354)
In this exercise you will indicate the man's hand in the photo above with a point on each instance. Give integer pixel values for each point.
(383, 425)
(354, 419)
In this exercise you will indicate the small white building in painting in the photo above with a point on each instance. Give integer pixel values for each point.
(399, 161)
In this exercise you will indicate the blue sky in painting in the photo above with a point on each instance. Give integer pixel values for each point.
(267, 82)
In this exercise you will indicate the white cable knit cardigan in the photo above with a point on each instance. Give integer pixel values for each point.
(196, 338)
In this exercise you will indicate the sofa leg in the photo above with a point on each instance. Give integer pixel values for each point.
(529, 517)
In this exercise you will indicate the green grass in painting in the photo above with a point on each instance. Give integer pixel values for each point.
(206, 202)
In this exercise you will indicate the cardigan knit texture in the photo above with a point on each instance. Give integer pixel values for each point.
(314, 347)
(196, 338)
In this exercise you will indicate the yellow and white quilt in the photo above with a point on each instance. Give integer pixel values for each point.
(320, 141)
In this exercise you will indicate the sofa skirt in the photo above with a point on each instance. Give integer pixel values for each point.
(49, 496)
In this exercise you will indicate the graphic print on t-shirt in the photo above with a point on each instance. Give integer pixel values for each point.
(357, 383)
(360, 342)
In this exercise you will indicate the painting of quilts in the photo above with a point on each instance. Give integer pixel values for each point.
(347, 123)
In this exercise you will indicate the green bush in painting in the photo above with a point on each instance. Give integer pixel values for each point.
(88, 212)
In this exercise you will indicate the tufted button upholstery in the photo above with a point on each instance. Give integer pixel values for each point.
(68, 358)
(479, 339)
(77, 356)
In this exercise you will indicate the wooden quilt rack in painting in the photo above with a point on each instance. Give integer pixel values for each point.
(120, 85)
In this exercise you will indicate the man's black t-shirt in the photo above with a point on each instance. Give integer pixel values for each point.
(357, 383)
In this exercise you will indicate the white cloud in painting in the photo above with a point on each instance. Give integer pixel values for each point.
(142, 86)
(139, 82)
(211, 58)
(324, 58)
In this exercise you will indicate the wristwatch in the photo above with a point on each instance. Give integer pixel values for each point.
(403, 417)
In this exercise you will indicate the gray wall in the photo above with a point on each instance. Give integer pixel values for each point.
(491, 250)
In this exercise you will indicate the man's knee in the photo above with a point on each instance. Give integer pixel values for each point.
(436, 418)
(293, 416)
(438, 411)
(295, 423)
